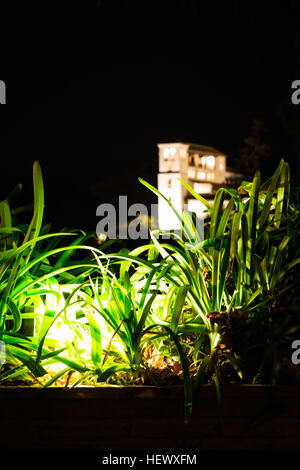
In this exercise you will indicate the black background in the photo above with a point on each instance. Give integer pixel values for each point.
(93, 86)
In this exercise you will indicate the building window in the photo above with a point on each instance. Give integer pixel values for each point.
(191, 173)
(203, 188)
(201, 175)
(210, 162)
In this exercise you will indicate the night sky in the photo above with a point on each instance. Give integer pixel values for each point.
(93, 86)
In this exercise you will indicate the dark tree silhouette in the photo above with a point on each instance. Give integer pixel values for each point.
(256, 151)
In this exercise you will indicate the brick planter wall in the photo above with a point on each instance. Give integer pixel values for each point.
(141, 418)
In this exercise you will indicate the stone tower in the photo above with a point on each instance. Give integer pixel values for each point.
(173, 164)
(202, 167)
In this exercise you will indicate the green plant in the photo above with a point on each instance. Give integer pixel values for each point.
(208, 307)
(30, 286)
(245, 264)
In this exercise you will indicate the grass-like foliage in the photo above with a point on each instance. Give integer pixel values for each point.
(191, 309)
